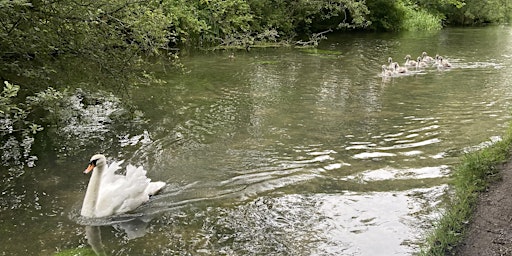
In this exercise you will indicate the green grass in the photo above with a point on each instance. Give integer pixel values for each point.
(471, 177)
(418, 19)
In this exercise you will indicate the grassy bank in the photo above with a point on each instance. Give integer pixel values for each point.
(471, 177)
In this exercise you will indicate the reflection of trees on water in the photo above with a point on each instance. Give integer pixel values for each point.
(17, 152)
(319, 93)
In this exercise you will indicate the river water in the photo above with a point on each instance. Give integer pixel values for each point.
(275, 152)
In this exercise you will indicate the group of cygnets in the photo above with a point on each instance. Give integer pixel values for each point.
(423, 61)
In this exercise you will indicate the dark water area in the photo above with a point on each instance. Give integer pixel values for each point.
(276, 151)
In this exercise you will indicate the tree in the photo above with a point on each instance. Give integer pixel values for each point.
(113, 35)
(480, 12)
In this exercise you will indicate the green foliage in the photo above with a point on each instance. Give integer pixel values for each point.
(417, 19)
(479, 12)
(293, 17)
(13, 115)
(238, 22)
(116, 35)
(385, 15)
(185, 24)
(401, 15)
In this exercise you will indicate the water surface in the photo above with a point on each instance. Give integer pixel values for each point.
(278, 151)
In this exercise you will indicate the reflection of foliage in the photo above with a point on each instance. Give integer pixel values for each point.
(78, 119)
(15, 128)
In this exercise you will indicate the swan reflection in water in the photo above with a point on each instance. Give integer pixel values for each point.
(93, 235)
(133, 227)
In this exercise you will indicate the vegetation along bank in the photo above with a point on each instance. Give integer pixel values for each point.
(472, 176)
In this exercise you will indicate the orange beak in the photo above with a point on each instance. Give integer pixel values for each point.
(89, 168)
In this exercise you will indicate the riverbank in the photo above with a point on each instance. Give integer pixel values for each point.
(477, 220)
(490, 230)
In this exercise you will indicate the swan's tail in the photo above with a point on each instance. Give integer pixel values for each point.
(154, 187)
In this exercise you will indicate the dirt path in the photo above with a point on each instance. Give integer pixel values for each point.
(490, 231)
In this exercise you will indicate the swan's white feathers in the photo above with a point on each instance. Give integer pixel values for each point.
(119, 193)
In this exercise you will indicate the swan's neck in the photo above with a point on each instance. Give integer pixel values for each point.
(92, 193)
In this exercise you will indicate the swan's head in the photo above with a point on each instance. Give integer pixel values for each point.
(96, 160)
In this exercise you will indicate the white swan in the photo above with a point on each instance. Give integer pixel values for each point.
(391, 64)
(399, 70)
(442, 63)
(409, 62)
(426, 58)
(420, 63)
(386, 72)
(109, 193)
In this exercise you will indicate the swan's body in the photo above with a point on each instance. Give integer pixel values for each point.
(109, 193)
(399, 70)
(421, 63)
(391, 64)
(426, 58)
(386, 71)
(409, 62)
(442, 63)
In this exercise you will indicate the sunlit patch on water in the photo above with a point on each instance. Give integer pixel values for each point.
(388, 219)
(400, 174)
(370, 155)
(127, 140)
(349, 223)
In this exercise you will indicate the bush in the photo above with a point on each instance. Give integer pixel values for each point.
(417, 19)
(385, 15)
(401, 15)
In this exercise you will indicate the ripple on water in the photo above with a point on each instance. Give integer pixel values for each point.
(275, 173)
(407, 141)
(313, 224)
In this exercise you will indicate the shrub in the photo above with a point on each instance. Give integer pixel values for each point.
(418, 19)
